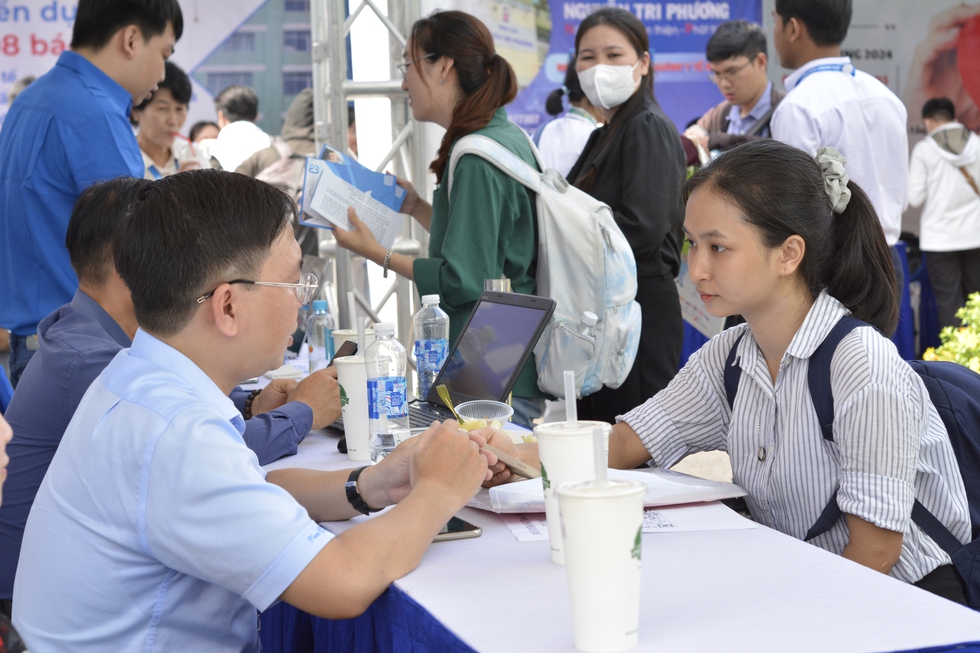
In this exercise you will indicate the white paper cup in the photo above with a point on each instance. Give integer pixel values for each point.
(602, 526)
(352, 376)
(567, 454)
(340, 336)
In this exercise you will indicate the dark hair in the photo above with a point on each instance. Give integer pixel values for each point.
(97, 214)
(940, 109)
(634, 31)
(487, 80)
(780, 191)
(176, 81)
(238, 103)
(190, 232)
(734, 38)
(572, 88)
(198, 126)
(96, 21)
(826, 20)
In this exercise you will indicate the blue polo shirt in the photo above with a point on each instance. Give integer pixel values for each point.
(67, 131)
(154, 528)
(76, 343)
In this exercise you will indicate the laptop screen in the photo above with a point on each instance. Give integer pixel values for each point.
(484, 362)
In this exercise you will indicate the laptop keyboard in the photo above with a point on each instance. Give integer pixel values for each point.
(420, 415)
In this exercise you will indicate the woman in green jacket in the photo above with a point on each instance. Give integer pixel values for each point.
(487, 228)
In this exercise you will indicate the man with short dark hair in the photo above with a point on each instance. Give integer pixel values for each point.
(68, 130)
(944, 174)
(78, 340)
(737, 57)
(830, 103)
(155, 527)
(240, 137)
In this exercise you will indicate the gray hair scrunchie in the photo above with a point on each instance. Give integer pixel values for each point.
(835, 178)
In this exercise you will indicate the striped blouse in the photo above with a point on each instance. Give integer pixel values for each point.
(890, 446)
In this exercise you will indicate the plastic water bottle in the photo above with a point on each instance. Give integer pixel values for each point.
(431, 327)
(387, 392)
(319, 340)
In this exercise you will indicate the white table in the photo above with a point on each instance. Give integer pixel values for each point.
(740, 590)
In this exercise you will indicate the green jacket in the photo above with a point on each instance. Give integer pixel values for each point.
(487, 230)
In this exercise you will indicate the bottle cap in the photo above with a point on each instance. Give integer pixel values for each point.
(589, 318)
(430, 299)
(319, 304)
(384, 329)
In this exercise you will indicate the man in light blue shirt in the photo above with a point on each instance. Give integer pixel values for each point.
(155, 528)
(68, 130)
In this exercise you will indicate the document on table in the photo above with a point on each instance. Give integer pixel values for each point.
(664, 488)
(326, 206)
(712, 516)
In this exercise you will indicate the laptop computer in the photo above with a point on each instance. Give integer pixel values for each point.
(489, 354)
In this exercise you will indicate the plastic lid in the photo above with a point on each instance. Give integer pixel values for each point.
(384, 329)
(319, 304)
(589, 318)
(430, 299)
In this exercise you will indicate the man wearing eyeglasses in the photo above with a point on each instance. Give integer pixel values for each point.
(78, 340)
(155, 527)
(737, 58)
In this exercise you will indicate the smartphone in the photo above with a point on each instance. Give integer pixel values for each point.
(349, 348)
(457, 529)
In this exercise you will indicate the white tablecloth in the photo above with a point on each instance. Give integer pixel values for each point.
(742, 590)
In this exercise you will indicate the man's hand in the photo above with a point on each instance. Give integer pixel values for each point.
(321, 392)
(698, 135)
(447, 457)
(933, 72)
(273, 396)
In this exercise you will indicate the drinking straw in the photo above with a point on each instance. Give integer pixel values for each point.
(599, 445)
(360, 334)
(571, 410)
(352, 307)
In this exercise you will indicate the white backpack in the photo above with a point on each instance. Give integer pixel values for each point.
(584, 264)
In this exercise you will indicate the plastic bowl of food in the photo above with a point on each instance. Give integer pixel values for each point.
(482, 413)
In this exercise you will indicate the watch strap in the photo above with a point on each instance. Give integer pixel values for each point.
(353, 496)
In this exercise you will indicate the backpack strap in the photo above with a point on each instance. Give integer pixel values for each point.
(733, 373)
(505, 160)
(818, 374)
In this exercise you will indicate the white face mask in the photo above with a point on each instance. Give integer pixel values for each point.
(608, 86)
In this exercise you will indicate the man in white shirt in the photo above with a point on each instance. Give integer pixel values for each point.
(830, 103)
(155, 528)
(944, 173)
(240, 137)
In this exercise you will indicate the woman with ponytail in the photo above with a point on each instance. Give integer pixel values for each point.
(635, 163)
(793, 246)
(486, 228)
(562, 140)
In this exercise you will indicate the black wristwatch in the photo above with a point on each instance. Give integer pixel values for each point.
(353, 496)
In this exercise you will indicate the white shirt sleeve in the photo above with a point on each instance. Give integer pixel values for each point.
(794, 125)
(210, 513)
(918, 176)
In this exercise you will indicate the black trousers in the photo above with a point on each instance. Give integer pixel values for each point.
(946, 582)
(657, 360)
(954, 275)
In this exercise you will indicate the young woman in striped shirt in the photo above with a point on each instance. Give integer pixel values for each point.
(792, 246)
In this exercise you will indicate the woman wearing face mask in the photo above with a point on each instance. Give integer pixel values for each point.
(635, 164)
(486, 228)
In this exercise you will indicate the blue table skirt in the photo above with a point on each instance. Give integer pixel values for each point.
(394, 623)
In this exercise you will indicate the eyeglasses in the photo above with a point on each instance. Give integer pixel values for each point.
(728, 75)
(304, 289)
(403, 67)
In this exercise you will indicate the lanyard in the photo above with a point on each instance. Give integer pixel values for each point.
(154, 172)
(582, 113)
(834, 67)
